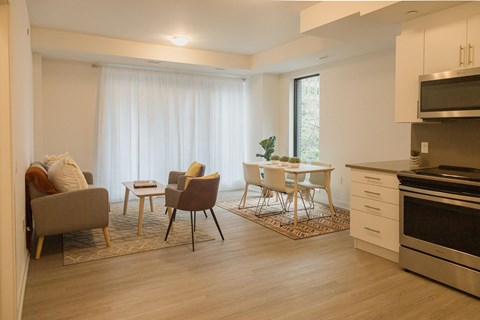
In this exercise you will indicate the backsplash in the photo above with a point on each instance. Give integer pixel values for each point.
(453, 142)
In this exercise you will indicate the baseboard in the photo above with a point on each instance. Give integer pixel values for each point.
(376, 250)
(23, 286)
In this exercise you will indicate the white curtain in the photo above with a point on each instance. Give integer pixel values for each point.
(150, 123)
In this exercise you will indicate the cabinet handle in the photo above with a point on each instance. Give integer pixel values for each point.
(374, 193)
(462, 49)
(373, 230)
(470, 54)
(372, 178)
(369, 207)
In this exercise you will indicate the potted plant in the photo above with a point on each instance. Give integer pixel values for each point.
(275, 159)
(284, 160)
(415, 158)
(269, 146)
(294, 162)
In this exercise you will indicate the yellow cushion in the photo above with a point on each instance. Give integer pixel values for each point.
(194, 169)
(210, 176)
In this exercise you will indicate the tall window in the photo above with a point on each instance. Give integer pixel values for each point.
(152, 122)
(306, 140)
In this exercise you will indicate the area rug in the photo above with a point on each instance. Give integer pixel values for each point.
(90, 245)
(319, 223)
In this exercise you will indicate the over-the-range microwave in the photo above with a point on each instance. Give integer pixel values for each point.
(451, 94)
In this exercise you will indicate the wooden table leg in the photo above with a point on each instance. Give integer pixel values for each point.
(295, 199)
(125, 201)
(329, 192)
(151, 203)
(140, 215)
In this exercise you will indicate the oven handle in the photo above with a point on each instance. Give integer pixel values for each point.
(440, 194)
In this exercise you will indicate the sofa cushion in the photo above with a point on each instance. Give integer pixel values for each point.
(66, 175)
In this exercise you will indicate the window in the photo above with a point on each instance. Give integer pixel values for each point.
(306, 126)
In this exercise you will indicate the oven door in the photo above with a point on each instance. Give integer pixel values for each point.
(441, 224)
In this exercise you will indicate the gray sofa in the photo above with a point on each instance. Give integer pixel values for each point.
(57, 213)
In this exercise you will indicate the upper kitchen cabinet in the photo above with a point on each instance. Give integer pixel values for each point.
(408, 66)
(453, 45)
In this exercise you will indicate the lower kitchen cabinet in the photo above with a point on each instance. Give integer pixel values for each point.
(374, 212)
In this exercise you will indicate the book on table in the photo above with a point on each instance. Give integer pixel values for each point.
(144, 184)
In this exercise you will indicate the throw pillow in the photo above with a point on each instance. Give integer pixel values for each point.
(210, 176)
(66, 175)
(50, 160)
(194, 169)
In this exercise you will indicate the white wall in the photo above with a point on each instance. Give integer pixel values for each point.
(65, 119)
(356, 116)
(262, 117)
(16, 154)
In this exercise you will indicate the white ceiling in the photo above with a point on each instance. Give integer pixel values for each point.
(234, 26)
(258, 29)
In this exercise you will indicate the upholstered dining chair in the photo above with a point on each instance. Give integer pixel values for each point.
(316, 180)
(251, 174)
(274, 180)
(200, 194)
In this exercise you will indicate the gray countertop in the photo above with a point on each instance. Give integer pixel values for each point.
(384, 166)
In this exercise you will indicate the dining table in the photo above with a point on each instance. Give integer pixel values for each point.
(304, 169)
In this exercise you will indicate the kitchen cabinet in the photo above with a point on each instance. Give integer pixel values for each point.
(374, 212)
(453, 45)
(408, 67)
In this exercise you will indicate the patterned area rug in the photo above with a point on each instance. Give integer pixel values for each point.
(319, 223)
(90, 245)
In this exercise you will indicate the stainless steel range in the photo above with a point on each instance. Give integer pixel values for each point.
(440, 225)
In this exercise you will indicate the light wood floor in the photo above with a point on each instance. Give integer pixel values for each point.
(254, 274)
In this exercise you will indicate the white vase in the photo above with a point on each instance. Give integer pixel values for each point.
(294, 165)
(415, 161)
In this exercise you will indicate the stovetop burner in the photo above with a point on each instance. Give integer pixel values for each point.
(451, 172)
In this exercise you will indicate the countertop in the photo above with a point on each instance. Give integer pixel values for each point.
(384, 166)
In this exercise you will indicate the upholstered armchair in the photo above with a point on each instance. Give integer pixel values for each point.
(176, 179)
(61, 212)
(199, 194)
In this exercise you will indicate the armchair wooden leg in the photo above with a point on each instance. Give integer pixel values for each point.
(170, 223)
(106, 236)
(39, 247)
(191, 225)
(216, 222)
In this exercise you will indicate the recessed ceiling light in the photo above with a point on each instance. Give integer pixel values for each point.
(323, 57)
(179, 40)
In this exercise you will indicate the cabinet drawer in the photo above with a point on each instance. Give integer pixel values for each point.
(376, 230)
(374, 192)
(375, 178)
(381, 209)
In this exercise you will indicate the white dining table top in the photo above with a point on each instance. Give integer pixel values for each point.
(303, 168)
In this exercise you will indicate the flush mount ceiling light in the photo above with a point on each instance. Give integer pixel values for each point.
(179, 40)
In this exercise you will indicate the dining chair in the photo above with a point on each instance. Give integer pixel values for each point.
(200, 194)
(251, 174)
(316, 180)
(274, 180)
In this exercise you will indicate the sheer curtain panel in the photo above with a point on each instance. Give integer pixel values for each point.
(150, 123)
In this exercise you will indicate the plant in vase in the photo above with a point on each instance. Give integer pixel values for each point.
(284, 160)
(415, 158)
(294, 162)
(269, 146)
(275, 159)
